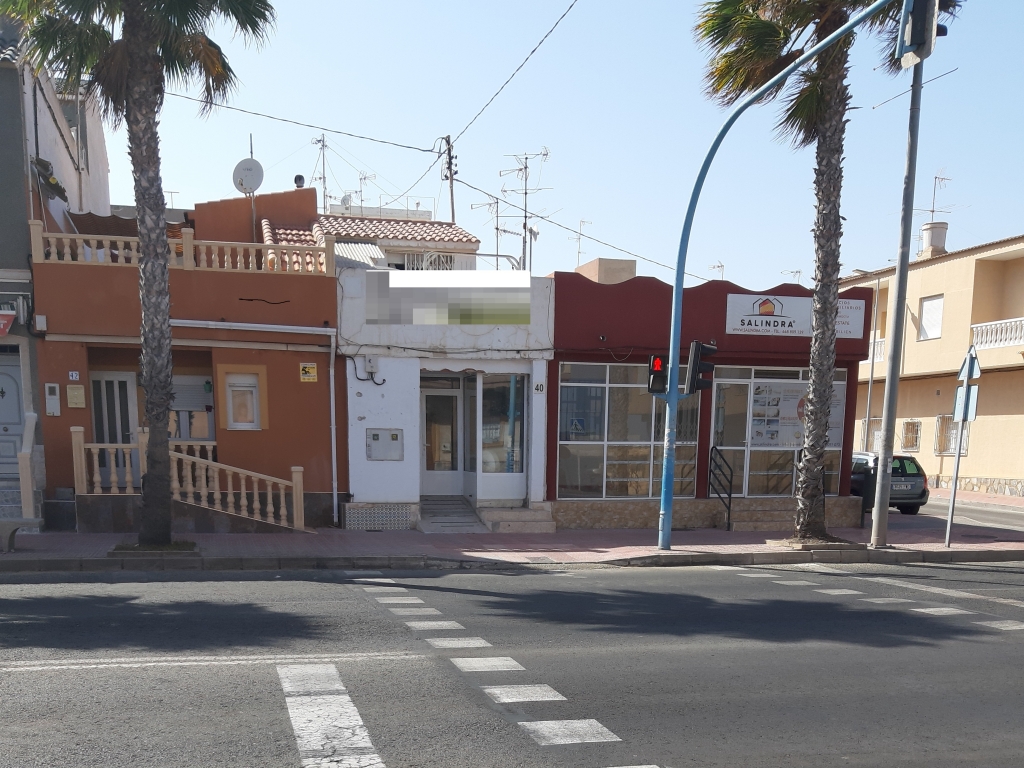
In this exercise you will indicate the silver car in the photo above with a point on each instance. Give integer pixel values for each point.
(908, 490)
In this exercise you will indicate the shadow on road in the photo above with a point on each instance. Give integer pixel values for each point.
(93, 622)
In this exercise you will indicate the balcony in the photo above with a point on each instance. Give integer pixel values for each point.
(1001, 333)
(186, 253)
(877, 351)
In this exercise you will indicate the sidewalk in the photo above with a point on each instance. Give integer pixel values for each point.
(974, 497)
(333, 548)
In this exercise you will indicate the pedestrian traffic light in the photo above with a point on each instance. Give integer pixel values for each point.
(918, 29)
(657, 375)
(697, 366)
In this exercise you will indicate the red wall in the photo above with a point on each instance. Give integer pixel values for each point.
(627, 322)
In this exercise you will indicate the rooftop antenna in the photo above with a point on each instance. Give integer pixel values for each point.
(522, 171)
(321, 160)
(492, 207)
(796, 274)
(363, 178)
(248, 176)
(578, 237)
(172, 194)
(720, 268)
(938, 182)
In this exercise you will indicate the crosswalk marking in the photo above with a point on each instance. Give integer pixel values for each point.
(1007, 625)
(885, 600)
(513, 694)
(376, 581)
(759, 575)
(458, 642)
(415, 611)
(385, 589)
(941, 611)
(550, 732)
(489, 664)
(839, 591)
(328, 729)
(433, 625)
(798, 583)
(398, 600)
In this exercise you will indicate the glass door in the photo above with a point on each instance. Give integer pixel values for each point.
(115, 420)
(729, 435)
(441, 455)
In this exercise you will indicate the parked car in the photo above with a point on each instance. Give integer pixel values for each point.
(908, 491)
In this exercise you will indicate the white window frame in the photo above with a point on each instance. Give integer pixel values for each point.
(907, 446)
(243, 382)
(945, 436)
(938, 299)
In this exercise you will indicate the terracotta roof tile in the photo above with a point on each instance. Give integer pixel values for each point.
(354, 227)
(286, 236)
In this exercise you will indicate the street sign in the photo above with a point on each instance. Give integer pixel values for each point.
(966, 411)
(970, 369)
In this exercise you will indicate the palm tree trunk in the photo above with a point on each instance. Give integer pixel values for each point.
(144, 98)
(828, 231)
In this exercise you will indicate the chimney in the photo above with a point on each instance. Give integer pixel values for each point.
(933, 239)
(608, 271)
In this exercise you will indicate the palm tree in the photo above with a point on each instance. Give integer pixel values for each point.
(750, 41)
(124, 52)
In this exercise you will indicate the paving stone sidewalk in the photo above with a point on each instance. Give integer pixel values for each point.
(334, 548)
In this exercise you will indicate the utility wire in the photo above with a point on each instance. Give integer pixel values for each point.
(576, 232)
(496, 93)
(304, 125)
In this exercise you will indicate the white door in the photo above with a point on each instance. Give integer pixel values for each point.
(441, 455)
(115, 417)
(12, 416)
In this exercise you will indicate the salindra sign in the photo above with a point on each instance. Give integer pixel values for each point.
(753, 315)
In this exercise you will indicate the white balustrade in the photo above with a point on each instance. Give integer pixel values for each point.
(1001, 333)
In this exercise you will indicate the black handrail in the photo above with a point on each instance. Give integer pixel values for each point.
(720, 483)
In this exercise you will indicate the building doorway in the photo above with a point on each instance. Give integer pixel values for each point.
(12, 415)
(115, 415)
(442, 453)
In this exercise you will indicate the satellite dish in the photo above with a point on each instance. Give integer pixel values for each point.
(347, 201)
(248, 175)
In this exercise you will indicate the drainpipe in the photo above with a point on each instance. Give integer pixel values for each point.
(299, 329)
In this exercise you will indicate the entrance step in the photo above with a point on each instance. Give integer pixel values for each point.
(448, 514)
(762, 519)
(518, 519)
(776, 525)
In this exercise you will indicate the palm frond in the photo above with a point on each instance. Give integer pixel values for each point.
(197, 58)
(71, 48)
(110, 82)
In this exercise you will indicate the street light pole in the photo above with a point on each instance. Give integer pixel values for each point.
(671, 398)
(883, 472)
(871, 367)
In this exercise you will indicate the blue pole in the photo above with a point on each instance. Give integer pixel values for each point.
(672, 397)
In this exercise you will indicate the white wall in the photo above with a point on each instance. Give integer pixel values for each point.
(393, 405)
(458, 341)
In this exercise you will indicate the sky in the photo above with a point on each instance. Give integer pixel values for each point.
(615, 96)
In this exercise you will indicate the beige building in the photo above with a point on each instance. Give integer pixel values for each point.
(954, 299)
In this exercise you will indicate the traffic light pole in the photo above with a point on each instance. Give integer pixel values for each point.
(675, 332)
(883, 471)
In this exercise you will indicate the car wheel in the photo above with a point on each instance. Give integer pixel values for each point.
(904, 510)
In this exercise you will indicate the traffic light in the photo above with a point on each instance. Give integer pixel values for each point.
(919, 27)
(697, 366)
(657, 375)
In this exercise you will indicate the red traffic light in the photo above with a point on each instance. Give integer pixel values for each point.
(657, 365)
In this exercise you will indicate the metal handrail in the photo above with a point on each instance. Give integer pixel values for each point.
(720, 482)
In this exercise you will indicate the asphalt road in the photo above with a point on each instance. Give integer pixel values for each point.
(857, 665)
(933, 516)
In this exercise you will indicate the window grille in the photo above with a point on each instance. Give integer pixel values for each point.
(946, 431)
(911, 435)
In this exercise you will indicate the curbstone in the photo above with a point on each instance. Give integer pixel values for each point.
(183, 564)
(440, 563)
(826, 555)
(260, 564)
(298, 563)
(101, 564)
(936, 556)
(853, 556)
(222, 563)
(370, 563)
(406, 562)
(334, 563)
(18, 566)
(61, 564)
(141, 563)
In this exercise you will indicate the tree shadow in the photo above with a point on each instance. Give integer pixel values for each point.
(94, 622)
(684, 616)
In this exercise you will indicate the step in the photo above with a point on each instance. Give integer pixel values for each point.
(763, 526)
(514, 514)
(762, 516)
(523, 526)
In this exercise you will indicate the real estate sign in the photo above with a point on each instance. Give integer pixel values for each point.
(766, 315)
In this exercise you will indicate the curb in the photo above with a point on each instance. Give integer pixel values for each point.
(417, 563)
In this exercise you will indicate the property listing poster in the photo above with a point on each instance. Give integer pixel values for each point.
(777, 415)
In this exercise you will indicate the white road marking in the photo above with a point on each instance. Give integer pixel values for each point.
(385, 589)
(635, 766)
(415, 611)
(45, 665)
(839, 591)
(489, 664)
(512, 694)
(398, 600)
(885, 600)
(377, 581)
(433, 625)
(328, 729)
(943, 591)
(1008, 625)
(941, 611)
(549, 732)
(458, 642)
(759, 575)
(798, 583)
(726, 567)
(362, 573)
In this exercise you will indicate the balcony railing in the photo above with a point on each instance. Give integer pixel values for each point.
(1001, 333)
(186, 253)
(878, 350)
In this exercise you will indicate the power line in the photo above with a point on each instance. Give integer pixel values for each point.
(496, 93)
(580, 234)
(304, 125)
(415, 183)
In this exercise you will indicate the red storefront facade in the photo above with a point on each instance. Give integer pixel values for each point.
(603, 427)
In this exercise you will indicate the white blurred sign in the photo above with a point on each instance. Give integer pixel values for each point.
(765, 315)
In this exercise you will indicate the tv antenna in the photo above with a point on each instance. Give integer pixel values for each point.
(492, 207)
(796, 274)
(720, 268)
(522, 171)
(938, 182)
(578, 237)
(363, 178)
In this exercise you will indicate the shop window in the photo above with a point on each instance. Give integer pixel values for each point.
(610, 434)
(911, 438)
(930, 318)
(830, 479)
(503, 423)
(726, 372)
(946, 433)
(243, 400)
(771, 473)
